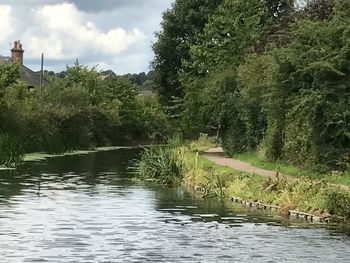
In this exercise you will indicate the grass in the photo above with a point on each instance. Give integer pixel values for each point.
(162, 165)
(11, 151)
(288, 169)
(317, 197)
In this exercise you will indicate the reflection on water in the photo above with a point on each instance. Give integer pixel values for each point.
(87, 209)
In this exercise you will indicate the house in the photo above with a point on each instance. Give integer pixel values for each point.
(31, 78)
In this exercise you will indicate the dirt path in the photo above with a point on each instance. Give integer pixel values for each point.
(216, 155)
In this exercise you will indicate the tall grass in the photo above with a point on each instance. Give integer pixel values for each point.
(162, 165)
(317, 197)
(54, 144)
(215, 188)
(11, 151)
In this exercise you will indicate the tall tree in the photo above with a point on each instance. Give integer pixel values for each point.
(318, 9)
(237, 27)
(180, 27)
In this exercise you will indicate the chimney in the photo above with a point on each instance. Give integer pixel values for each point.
(17, 52)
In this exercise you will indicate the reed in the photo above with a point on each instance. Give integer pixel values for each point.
(11, 151)
(162, 165)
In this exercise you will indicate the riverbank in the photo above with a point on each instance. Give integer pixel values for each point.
(320, 199)
(272, 170)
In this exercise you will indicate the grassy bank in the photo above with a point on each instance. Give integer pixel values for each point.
(316, 197)
(335, 177)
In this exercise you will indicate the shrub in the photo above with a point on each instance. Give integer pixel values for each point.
(338, 203)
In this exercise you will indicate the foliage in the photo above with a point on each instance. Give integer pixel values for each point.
(9, 75)
(215, 187)
(162, 165)
(181, 24)
(339, 203)
(152, 116)
(142, 81)
(203, 143)
(273, 77)
(226, 36)
(317, 197)
(79, 110)
(11, 150)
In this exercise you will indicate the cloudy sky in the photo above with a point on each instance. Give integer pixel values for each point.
(113, 34)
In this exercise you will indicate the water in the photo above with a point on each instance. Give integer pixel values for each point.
(87, 209)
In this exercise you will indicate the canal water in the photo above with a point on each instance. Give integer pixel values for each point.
(88, 209)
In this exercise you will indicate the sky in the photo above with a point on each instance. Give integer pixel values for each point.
(109, 34)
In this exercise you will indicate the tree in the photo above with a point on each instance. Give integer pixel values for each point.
(9, 75)
(236, 28)
(303, 89)
(318, 9)
(180, 28)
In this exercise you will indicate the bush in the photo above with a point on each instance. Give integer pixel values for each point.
(11, 150)
(338, 203)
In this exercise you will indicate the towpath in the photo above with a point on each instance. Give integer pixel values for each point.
(216, 155)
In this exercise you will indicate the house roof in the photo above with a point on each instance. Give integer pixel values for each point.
(31, 78)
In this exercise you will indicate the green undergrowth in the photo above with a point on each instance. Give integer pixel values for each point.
(334, 177)
(11, 151)
(174, 164)
(317, 197)
(165, 164)
(203, 143)
(162, 165)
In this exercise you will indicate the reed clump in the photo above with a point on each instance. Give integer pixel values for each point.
(11, 151)
(162, 165)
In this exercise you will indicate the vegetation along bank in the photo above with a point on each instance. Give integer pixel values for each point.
(272, 77)
(181, 164)
(80, 110)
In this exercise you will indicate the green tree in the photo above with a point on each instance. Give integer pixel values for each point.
(180, 27)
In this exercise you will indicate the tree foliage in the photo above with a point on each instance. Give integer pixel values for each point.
(79, 110)
(274, 78)
(180, 27)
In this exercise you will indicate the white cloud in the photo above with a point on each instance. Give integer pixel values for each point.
(115, 34)
(5, 24)
(62, 32)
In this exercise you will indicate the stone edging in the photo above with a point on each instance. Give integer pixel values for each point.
(260, 206)
(290, 213)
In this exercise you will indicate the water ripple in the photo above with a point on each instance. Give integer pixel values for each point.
(87, 209)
